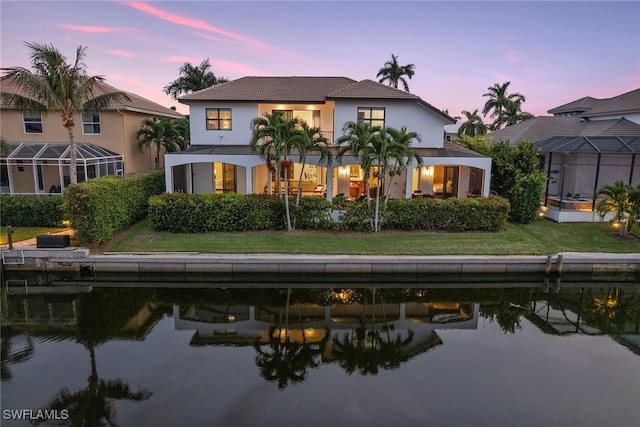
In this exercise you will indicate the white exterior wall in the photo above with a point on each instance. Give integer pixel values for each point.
(240, 133)
(397, 114)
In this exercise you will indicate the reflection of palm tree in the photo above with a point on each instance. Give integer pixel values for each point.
(91, 406)
(368, 350)
(287, 361)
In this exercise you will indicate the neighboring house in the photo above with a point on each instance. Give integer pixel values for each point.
(451, 131)
(220, 160)
(37, 157)
(588, 143)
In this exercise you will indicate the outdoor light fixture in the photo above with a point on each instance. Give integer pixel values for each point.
(427, 171)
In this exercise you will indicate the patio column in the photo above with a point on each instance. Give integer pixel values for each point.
(168, 179)
(248, 173)
(329, 183)
(408, 182)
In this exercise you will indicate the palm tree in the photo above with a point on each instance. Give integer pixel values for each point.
(184, 133)
(473, 126)
(512, 113)
(56, 85)
(356, 139)
(624, 201)
(272, 137)
(392, 152)
(161, 133)
(394, 73)
(193, 79)
(308, 140)
(497, 102)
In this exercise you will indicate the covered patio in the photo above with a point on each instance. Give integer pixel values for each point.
(576, 167)
(37, 168)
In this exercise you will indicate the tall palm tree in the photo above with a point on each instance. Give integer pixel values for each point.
(193, 78)
(355, 140)
(391, 151)
(56, 85)
(272, 137)
(394, 73)
(308, 140)
(512, 113)
(473, 125)
(497, 102)
(161, 133)
(624, 201)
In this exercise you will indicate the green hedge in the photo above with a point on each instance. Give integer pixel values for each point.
(192, 213)
(31, 211)
(101, 207)
(453, 214)
(525, 197)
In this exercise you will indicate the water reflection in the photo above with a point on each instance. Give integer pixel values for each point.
(293, 331)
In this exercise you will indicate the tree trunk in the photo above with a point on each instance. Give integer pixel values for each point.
(286, 198)
(303, 161)
(73, 155)
(375, 219)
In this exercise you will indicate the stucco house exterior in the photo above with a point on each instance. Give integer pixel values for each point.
(36, 158)
(219, 158)
(586, 144)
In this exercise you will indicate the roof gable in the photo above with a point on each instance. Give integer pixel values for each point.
(586, 107)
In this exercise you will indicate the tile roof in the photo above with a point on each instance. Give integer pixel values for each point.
(626, 103)
(304, 90)
(137, 103)
(270, 89)
(544, 127)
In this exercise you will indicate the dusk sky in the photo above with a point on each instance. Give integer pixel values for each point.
(551, 52)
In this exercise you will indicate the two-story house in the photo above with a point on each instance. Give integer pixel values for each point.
(220, 159)
(586, 144)
(36, 148)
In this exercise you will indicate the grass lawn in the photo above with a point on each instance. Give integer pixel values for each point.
(24, 233)
(542, 237)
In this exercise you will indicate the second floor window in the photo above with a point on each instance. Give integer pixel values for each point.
(372, 115)
(218, 118)
(32, 122)
(90, 123)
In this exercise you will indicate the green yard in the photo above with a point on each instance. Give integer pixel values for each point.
(25, 233)
(541, 237)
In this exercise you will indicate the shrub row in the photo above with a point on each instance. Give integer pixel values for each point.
(192, 213)
(101, 207)
(31, 211)
(473, 214)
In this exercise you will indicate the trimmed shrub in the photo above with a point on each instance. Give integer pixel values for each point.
(453, 214)
(357, 216)
(193, 213)
(313, 213)
(101, 207)
(525, 197)
(31, 211)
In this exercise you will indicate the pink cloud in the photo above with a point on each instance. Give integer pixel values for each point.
(86, 28)
(193, 23)
(182, 59)
(115, 77)
(237, 68)
(124, 53)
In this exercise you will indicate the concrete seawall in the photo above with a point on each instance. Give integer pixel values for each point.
(72, 264)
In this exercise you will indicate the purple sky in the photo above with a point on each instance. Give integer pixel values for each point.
(552, 52)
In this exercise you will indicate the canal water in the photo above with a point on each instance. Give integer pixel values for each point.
(339, 356)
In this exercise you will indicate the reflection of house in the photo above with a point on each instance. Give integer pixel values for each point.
(38, 156)
(244, 325)
(588, 143)
(219, 159)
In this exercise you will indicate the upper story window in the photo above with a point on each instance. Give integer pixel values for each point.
(218, 118)
(372, 115)
(90, 123)
(32, 122)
